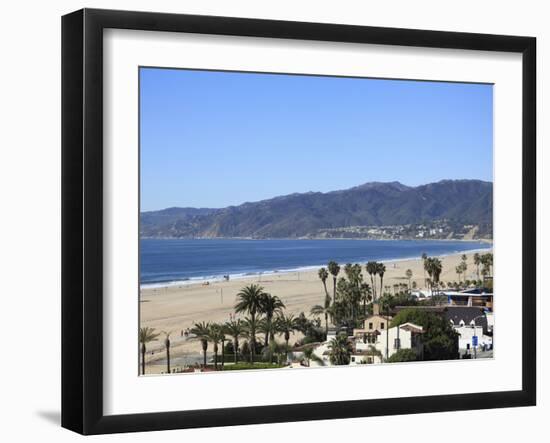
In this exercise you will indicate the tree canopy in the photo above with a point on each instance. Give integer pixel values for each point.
(440, 339)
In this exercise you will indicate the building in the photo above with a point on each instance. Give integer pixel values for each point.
(374, 322)
(387, 342)
(376, 344)
(477, 297)
(470, 322)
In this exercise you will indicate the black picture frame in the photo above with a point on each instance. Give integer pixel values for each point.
(82, 218)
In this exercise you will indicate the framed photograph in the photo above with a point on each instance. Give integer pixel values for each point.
(269, 221)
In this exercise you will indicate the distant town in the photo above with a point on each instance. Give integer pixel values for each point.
(434, 230)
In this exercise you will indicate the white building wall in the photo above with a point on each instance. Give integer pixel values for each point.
(466, 334)
(388, 337)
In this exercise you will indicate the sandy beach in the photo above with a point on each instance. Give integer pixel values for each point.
(176, 308)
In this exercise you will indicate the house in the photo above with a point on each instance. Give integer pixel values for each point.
(466, 342)
(477, 297)
(469, 322)
(460, 316)
(374, 322)
(387, 342)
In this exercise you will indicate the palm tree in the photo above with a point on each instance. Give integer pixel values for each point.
(424, 257)
(286, 325)
(235, 329)
(201, 331)
(216, 335)
(275, 348)
(477, 262)
(340, 350)
(458, 270)
(372, 271)
(373, 352)
(322, 310)
(367, 296)
(380, 270)
(323, 275)
(385, 307)
(464, 264)
(310, 355)
(334, 269)
(250, 326)
(434, 267)
(270, 305)
(487, 262)
(250, 300)
(167, 346)
(409, 275)
(146, 335)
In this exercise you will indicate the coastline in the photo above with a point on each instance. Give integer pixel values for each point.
(305, 268)
(467, 240)
(176, 308)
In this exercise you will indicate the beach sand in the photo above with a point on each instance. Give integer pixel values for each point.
(176, 308)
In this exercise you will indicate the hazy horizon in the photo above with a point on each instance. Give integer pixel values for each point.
(217, 139)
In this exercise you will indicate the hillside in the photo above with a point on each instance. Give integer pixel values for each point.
(467, 202)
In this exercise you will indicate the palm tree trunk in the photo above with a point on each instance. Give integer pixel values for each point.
(268, 324)
(143, 350)
(334, 289)
(387, 334)
(236, 349)
(252, 338)
(216, 357)
(223, 354)
(286, 349)
(168, 356)
(326, 324)
(204, 348)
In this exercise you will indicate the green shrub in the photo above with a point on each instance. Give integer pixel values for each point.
(403, 355)
(241, 366)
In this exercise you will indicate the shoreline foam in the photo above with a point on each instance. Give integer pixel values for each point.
(200, 280)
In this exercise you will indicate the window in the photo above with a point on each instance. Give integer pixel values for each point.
(382, 325)
(370, 324)
(397, 343)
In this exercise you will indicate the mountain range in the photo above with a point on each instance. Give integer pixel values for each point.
(305, 214)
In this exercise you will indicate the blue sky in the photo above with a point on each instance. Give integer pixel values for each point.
(213, 139)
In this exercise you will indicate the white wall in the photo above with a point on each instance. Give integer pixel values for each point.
(30, 217)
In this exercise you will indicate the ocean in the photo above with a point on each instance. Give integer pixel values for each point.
(174, 261)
